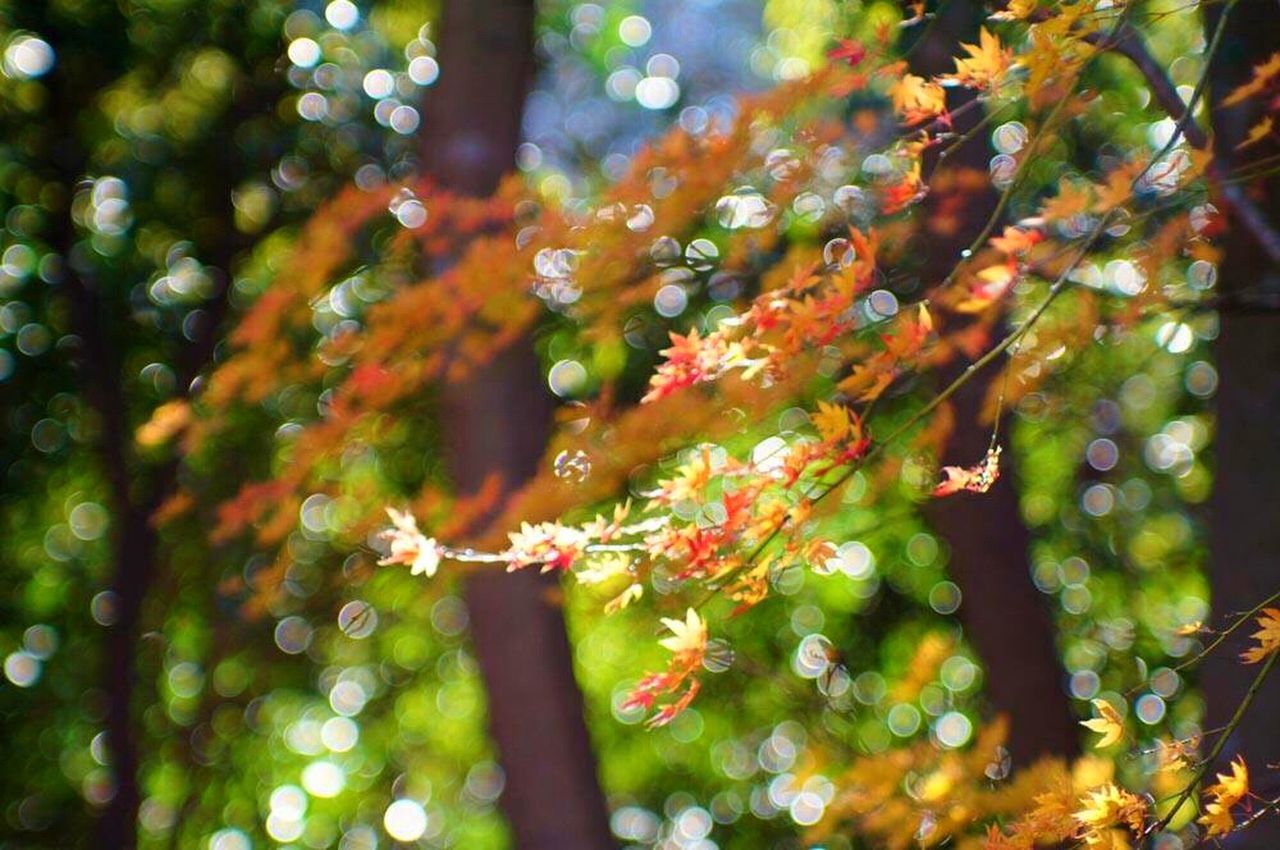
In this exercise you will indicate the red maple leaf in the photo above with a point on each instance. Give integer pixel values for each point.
(849, 50)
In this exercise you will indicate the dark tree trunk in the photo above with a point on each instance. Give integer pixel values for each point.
(1244, 526)
(134, 554)
(1004, 615)
(497, 421)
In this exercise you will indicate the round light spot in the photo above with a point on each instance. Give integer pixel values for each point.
(313, 106)
(229, 839)
(657, 92)
(953, 729)
(904, 719)
(1150, 709)
(105, 607)
(28, 56)
(405, 820)
(339, 734)
(341, 14)
(357, 619)
(40, 640)
(424, 70)
(670, 300)
(958, 673)
(635, 30)
(22, 668)
(566, 377)
(289, 801)
(404, 120)
(347, 698)
(88, 520)
(1201, 379)
(662, 65)
(882, 304)
(1175, 337)
(304, 52)
(944, 597)
(856, 560)
(293, 635)
(1009, 138)
(379, 83)
(283, 829)
(1102, 454)
(1098, 500)
(813, 656)
(323, 779)
(411, 214)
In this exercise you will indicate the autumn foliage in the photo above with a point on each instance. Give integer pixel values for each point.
(813, 322)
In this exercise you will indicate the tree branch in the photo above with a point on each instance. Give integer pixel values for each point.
(1129, 44)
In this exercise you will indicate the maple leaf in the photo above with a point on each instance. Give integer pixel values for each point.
(975, 479)
(1107, 807)
(1176, 754)
(1231, 788)
(1108, 724)
(687, 635)
(166, 422)
(623, 599)
(409, 546)
(917, 99)
(1268, 637)
(1262, 76)
(1216, 820)
(1016, 10)
(1072, 199)
(832, 421)
(986, 65)
(991, 285)
(1016, 241)
(1258, 132)
(849, 50)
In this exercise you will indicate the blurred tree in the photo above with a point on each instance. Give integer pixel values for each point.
(211, 503)
(1003, 613)
(96, 273)
(1245, 537)
(467, 144)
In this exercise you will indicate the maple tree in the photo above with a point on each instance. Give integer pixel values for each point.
(806, 373)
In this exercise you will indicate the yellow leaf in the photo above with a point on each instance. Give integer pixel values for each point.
(1231, 789)
(1262, 75)
(986, 65)
(1216, 820)
(1258, 132)
(1109, 724)
(1017, 10)
(916, 99)
(166, 422)
(832, 422)
(989, 287)
(1268, 637)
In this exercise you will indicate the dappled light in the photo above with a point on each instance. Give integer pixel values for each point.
(731, 423)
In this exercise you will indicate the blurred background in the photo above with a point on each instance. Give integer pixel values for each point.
(158, 161)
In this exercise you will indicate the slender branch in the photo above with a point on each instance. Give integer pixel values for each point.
(1227, 632)
(1219, 745)
(1130, 45)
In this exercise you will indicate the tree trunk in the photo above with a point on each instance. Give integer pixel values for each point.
(498, 421)
(1004, 615)
(1245, 534)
